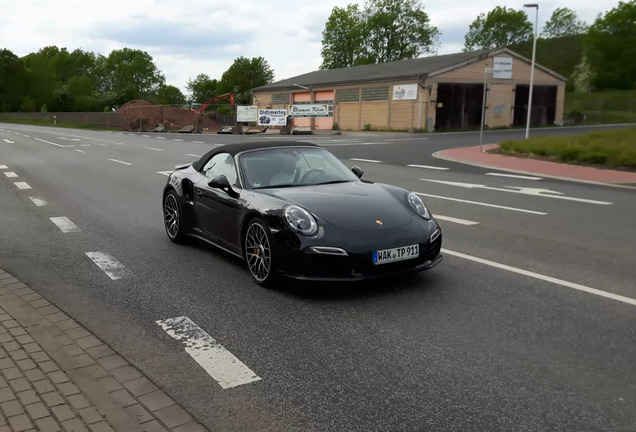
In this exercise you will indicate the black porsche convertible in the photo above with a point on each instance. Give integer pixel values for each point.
(294, 209)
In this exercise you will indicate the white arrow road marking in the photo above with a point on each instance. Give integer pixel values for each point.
(166, 173)
(218, 362)
(10, 174)
(22, 185)
(455, 220)
(109, 265)
(193, 155)
(39, 202)
(65, 225)
(8, 142)
(121, 162)
(4, 167)
(545, 193)
(68, 139)
(514, 176)
(153, 148)
(366, 160)
(429, 167)
(482, 204)
(551, 279)
(55, 144)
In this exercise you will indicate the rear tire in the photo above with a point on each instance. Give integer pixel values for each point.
(259, 254)
(173, 217)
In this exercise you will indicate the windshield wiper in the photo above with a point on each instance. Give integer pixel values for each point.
(331, 182)
(277, 186)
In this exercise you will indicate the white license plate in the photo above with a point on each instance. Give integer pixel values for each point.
(396, 254)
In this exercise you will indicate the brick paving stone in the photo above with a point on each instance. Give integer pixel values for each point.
(26, 364)
(82, 360)
(156, 400)
(78, 401)
(58, 377)
(48, 310)
(67, 324)
(53, 398)
(34, 374)
(101, 427)
(31, 297)
(17, 331)
(173, 416)
(5, 337)
(73, 350)
(99, 351)
(3, 353)
(152, 426)
(74, 425)
(10, 324)
(40, 303)
(18, 355)
(90, 415)
(12, 408)
(6, 363)
(5, 317)
(11, 346)
(3, 383)
(31, 348)
(62, 340)
(37, 410)
(67, 388)
(23, 291)
(78, 333)
(139, 412)
(125, 373)
(112, 362)
(48, 366)
(47, 424)
(63, 412)
(57, 317)
(40, 356)
(88, 342)
(20, 384)
(140, 386)
(190, 427)
(6, 394)
(43, 386)
(123, 398)
(28, 397)
(96, 371)
(20, 423)
(12, 373)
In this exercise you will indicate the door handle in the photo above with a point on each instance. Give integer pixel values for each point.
(198, 192)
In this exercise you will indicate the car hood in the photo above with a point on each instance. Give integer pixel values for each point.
(353, 206)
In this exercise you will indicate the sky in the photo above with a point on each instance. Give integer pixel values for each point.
(189, 37)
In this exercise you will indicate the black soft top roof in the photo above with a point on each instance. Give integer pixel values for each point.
(234, 149)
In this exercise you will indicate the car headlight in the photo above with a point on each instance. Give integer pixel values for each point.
(417, 205)
(300, 220)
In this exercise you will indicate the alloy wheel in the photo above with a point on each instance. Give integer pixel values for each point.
(171, 216)
(258, 252)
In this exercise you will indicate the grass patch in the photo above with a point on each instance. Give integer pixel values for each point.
(49, 122)
(610, 149)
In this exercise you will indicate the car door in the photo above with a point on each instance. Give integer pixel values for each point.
(218, 211)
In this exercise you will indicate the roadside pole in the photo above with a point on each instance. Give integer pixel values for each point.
(483, 108)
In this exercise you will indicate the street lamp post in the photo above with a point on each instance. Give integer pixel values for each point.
(534, 54)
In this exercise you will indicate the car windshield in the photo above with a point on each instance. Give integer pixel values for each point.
(294, 166)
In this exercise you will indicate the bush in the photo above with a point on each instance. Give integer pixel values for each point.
(335, 126)
(367, 127)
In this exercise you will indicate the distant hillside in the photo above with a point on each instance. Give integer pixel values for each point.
(561, 54)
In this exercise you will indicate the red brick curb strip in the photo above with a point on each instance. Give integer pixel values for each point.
(472, 156)
(57, 376)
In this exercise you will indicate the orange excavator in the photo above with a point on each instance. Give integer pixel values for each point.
(207, 103)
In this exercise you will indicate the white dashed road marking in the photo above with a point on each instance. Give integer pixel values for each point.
(166, 173)
(10, 174)
(198, 142)
(153, 148)
(109, 265)
(121, 162)
(22, 185)
(85, 145)
(455, 220)
(366, 160)
(406, 139)
(551, 279)
(429, 167)
(177, 139)
(221, 364)
(68, 139)
(161, 137)
(65, 225)
(52, 143)
(8, 142)
(39, 202)
(193, 155)
(146, 136)
(80, 151)
(4, 167)
(26, 136)
(514, 176)
(482, 204)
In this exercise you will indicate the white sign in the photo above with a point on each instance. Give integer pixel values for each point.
(272, 117)
(309, 110)
(502, 68)
(405, 92)
(246, 113)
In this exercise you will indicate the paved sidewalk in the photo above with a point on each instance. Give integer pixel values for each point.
(57, 376)
(472, 156)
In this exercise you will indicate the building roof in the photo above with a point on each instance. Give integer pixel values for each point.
(423, 66)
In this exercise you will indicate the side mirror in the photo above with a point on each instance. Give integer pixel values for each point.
(357, 171)
(219, 182)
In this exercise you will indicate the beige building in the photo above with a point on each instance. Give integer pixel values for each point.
(432, 93)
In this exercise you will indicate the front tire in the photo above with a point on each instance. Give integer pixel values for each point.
(173, 217)
(259, 255)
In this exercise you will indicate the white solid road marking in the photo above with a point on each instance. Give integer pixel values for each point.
(10, 174)
(121, 162)
(4, 167)
(153, 148)
(22, 185)
(551, 279)
(65, 225)
(85, 145)
(429, 167)
(514, 176)
(39, 202)
(221, 364)
(8, 142)
(109, 265)
(366, 160)
(52, 143)
(482, 204)
(193, 155)
(177, 139)
(545, 193)
(405, 139)
(68, 139)
(166, 173)
(455, 220)
(80, 151)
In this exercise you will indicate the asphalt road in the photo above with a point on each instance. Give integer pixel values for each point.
(528, 324)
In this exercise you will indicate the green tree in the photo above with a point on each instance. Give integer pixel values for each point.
(397, 30)
(343, 38)
(131, 74)
(611, 47)
(169, 95)
(244, 75)
(202, 88)
(563, 22)
(12, 81)
(499, 28)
